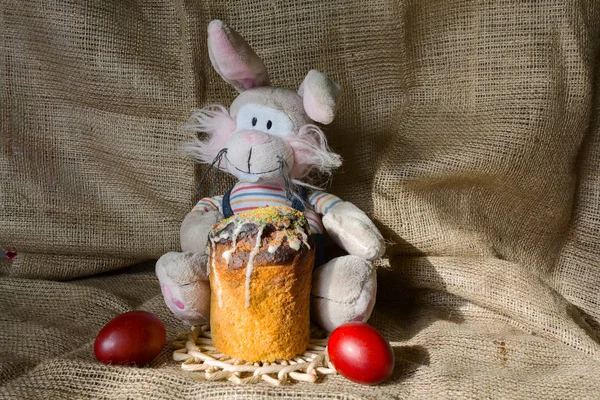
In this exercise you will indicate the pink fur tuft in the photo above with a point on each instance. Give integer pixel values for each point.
(311, 152)
(214, 120)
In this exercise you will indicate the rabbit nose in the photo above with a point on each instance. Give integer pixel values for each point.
(255, 137)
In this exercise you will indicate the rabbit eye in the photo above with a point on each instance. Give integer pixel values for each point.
(269, 120)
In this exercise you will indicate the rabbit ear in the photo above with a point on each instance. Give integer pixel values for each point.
(319, 95)
(234, 59)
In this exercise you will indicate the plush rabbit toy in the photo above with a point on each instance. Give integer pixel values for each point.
(269, 142)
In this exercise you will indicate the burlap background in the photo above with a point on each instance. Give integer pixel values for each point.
(469, 130)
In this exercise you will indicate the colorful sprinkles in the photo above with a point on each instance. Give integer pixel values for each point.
(280, 217)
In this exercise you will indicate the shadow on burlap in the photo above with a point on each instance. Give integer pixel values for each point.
(469, 132)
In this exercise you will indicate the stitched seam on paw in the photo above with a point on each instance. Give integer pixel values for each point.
(333, 301)
(189, 283)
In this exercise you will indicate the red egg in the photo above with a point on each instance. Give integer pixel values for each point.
(133, 338)
(360, 353)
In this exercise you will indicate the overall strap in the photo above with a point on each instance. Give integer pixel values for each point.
(226, 204)
(298, 204)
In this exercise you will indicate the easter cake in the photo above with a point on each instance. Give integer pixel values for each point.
(260, 272)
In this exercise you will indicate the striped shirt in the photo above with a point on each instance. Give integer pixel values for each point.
(248, 196)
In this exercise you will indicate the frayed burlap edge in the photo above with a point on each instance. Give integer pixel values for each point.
(197, 353)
